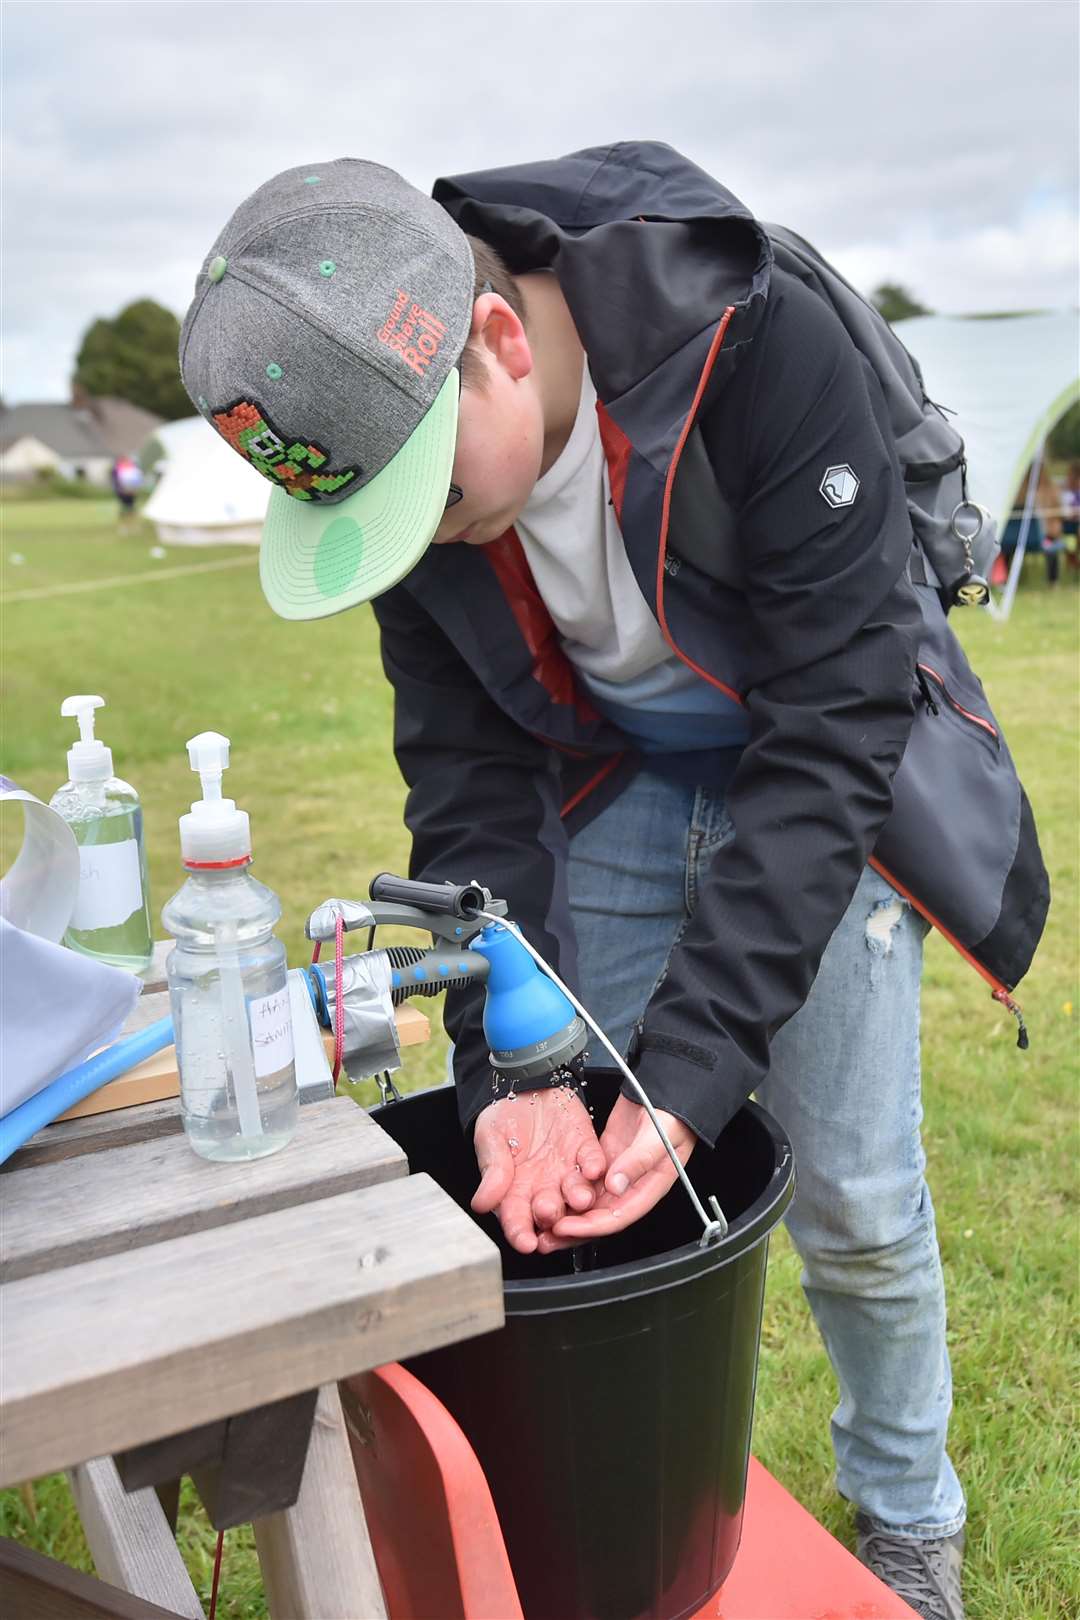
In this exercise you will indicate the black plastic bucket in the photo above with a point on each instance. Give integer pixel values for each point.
(612, 1413)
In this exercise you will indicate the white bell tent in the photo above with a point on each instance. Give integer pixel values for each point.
(1006, 383)
(206, 495)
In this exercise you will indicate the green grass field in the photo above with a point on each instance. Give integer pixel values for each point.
(308, 713)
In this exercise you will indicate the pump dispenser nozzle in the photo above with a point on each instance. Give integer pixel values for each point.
(88, 760)
(216, 833)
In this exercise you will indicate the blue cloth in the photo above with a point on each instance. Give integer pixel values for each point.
(58, 1007)
(844, 1082)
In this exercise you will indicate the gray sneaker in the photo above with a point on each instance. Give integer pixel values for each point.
(926, 1574)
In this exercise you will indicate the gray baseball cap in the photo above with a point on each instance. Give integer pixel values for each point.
(322, 343)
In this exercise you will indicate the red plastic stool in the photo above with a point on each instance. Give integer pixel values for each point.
(789, 1567)
(440, 1550)
(434, 1530)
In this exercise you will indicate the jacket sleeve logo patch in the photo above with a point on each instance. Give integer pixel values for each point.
(300, 469)
(839, 485)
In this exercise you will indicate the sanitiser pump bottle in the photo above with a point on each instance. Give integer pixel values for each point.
(111, 919)
(227, 981)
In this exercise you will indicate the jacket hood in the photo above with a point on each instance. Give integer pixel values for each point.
(642, 241)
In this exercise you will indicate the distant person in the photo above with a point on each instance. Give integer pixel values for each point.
(1043, 531)
(1070, 515)
(126, 482)
(1053, 545)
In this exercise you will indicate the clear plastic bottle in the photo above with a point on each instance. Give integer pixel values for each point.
(112, 913)
(228, 982)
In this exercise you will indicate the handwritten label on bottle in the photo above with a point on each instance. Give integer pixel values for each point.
(110, 887)
(271, 1032)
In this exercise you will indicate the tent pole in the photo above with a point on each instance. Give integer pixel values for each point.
(1003, 609)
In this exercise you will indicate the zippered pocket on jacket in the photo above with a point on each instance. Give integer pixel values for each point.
(952, 705)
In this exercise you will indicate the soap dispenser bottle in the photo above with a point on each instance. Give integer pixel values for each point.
(111, 919)
(228, 981)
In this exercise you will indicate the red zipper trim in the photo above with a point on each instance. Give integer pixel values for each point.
(996, 985)
(617, 452)
(975, 719)
(552, 668)
(710, 361)
(594, 782)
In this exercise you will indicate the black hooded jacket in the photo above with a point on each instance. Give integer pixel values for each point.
(727, 392)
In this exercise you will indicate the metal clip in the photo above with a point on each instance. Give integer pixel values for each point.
(388, 1092)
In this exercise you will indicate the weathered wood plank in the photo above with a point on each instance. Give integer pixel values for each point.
(96, 1134)
(130, 1539)
(176, 1455)
(316, 1557)
(138, 1345)
(33, 1587)
(261, 1464)
(68, 1213)
(150, 1081)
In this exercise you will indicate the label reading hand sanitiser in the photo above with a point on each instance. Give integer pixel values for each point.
(271, 1032)
(110, 886)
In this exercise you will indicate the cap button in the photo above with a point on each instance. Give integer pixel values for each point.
(217, 267)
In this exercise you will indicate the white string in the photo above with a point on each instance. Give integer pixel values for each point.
(713, 1228)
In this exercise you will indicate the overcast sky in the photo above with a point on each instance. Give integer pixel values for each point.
(931, 144)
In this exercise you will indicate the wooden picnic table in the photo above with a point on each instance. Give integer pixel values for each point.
(165, 1309)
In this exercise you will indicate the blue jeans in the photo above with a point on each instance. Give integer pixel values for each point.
(844, 1083)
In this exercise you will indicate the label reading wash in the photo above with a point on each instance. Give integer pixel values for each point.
(110, 887)
(271, 1032)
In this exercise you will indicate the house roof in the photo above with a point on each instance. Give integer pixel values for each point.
(123, 427)
(102, 427)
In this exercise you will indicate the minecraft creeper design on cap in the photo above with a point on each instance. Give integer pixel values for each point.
(246, 426)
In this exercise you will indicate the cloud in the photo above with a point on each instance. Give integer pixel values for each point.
(930, 144)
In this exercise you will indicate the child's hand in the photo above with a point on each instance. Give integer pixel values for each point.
(539, 1157)
(638, 1175)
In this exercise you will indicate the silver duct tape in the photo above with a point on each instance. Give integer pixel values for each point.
(322, 924)
(371, 1037)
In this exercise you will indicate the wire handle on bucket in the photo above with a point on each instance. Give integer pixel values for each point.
(714, 1228)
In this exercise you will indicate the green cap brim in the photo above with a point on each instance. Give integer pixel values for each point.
(317, 559)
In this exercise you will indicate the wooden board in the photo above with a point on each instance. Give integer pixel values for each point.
(131, 1541)
(96, 1133)
(150, 1081)
(157, 1077)
(137, 1345)
(316, 1557)
(33, 1587)
(78, 1210)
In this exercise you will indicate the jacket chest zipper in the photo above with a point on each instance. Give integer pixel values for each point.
(925, 672)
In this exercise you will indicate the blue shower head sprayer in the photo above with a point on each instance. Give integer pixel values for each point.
(531, 1028)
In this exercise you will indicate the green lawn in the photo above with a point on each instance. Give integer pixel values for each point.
(308, 713)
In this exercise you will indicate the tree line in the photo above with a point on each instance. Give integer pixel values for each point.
(133, 356)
